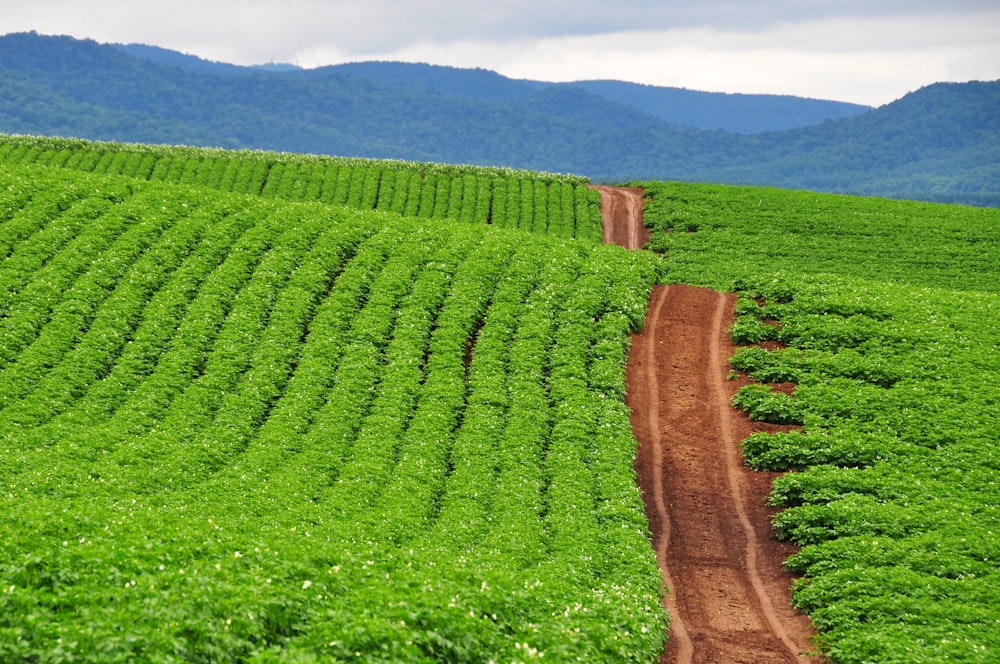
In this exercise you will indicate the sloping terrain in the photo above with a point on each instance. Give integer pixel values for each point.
(182, 371)
(729, 596)
(241, 429)
(938, 143)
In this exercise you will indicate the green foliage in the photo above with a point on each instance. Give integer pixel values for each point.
(885, 317)
(242, 429)
(749, 330)
(434, 191)
(760, 241)
(797, 450)
(761, 403)
(795, 365)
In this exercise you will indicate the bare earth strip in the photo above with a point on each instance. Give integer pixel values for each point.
(728, 592)
(623, 204)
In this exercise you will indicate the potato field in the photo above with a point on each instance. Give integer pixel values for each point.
(885, 317)
(237, 428)
(261, 407)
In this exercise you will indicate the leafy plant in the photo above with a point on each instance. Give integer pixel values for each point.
(761, 403)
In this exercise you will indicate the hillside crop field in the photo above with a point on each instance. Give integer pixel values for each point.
(875, 325)
(546, 203)
(262, 407)
(241, 429)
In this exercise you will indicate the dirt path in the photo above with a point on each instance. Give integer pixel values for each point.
(624, 206)
(729, 594)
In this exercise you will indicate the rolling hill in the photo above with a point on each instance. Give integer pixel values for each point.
(938, 143)
(262, 407)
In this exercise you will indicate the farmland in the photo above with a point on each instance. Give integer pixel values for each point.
(545, 203)
(266, 407)
(237, 428)
(878, 322)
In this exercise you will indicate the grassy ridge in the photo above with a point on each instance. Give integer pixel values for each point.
(888, 319)
(245, 429)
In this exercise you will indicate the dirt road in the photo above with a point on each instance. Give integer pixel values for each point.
(728, 592)
(623, 206)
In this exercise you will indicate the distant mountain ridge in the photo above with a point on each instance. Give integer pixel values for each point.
(939, 143)
(169, 57)
(741, 113)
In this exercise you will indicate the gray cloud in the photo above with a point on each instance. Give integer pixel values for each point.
(387, 25)
(627, 39)
(363, 26)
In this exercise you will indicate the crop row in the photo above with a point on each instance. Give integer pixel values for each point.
(907, 242)
(559, 205)
(884, 314)
(242, 429)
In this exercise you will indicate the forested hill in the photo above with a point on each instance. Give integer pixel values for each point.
(741, 113)
(938, 143)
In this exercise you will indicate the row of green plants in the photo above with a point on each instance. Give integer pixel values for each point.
(560, 205)
(884, 316)
(905, 242)
(352, 435)
(246, 429)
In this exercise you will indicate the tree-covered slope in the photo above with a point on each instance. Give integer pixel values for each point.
(931, 145)
(940, 143)
(739, 113)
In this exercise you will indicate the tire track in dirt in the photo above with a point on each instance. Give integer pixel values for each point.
(735, 471)
(661, 540)
(729, 598)
(624, 204)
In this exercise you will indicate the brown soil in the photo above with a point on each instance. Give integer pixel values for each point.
(624, 206)
(728, 593)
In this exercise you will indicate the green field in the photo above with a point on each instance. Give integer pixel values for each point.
(260, 407)
(888, 318)
(546, 203)
(244, 429)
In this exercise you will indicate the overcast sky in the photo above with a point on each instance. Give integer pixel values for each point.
(864, 51)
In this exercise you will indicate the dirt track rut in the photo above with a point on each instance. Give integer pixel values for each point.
(624, 206)
(728, 592)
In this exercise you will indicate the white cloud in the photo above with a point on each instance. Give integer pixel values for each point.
(850, 60)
